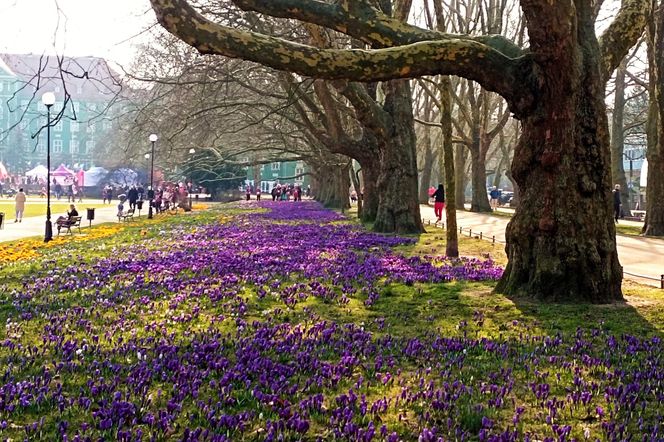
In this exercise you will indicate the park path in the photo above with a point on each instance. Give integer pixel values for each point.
(35, 225)
(639, 256)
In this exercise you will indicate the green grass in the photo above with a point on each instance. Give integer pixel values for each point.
(628, 230)
(38, 208)
(641, 314)
(401, 310)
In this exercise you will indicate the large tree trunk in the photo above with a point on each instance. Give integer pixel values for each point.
(480, 200)
(561, 240)
(460, 176)
(398, 208)
(370, 196)
(618, 137)
(654, 225)
(335, 182)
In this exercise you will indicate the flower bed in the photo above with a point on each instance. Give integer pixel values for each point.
(290, 324)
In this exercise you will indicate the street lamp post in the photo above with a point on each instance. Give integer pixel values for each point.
(192, 151)
(153, 139)
(49, 100)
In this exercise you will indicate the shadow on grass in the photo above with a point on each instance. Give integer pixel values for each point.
(624, 318)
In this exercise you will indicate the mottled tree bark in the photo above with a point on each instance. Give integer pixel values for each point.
(398, 208)
(654, 223)
(334, 184)
(561, 240)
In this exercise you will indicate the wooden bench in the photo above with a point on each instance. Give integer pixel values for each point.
(74, 221)
(126, 216)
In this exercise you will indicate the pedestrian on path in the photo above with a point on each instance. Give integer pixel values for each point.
(495, 197)
(20, 205)
(617, 204)
(439, 202)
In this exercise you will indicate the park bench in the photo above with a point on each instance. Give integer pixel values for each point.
(126, 216)
(74, 221)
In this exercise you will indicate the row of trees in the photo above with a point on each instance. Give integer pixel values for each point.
(361, 107)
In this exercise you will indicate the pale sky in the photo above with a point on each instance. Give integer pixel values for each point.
(104, 28)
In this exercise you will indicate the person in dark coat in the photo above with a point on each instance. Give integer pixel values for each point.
(617, 204)
(132, 196)
(439, 202)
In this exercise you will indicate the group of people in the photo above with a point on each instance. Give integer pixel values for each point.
(287, 191)
(280, 192)
(70, 188)
(170, 196)
(165, 197)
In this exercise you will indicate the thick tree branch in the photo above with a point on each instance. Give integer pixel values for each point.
(623, 33)
(454, 56)
(364, 22)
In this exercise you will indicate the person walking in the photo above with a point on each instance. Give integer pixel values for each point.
(439, 202)
(495, 197)
(617, 204)
(70, 192)
(132, 196)
(58, 189)
(20, 205)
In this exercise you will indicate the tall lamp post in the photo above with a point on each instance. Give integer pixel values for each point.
(153, 139)
(48, 99)
(192, 151)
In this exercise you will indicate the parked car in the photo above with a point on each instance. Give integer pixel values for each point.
(505, 198)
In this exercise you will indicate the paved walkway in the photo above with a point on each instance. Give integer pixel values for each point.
(35, 225)
(638, 255)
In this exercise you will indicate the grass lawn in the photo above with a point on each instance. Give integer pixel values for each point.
(286, 322)
(38, 208)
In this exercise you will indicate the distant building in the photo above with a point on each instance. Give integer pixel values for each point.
(292, 172)
(92, 86)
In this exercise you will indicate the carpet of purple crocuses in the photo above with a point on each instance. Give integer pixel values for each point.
(272, 322)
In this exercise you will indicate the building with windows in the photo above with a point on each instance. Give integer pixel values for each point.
(291, 172)
(84, 88)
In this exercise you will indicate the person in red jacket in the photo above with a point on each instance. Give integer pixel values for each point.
(439, 202)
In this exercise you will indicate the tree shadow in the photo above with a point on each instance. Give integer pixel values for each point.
(639, 316)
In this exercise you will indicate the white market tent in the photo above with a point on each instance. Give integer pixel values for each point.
(40, 172)
(94, 176)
